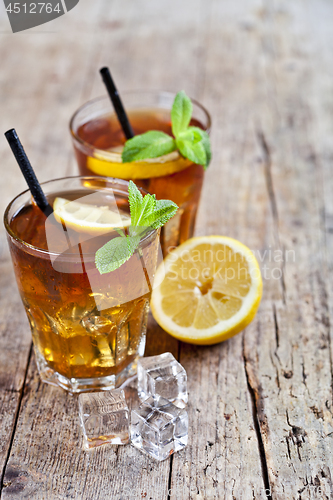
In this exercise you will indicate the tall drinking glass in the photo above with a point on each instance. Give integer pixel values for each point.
(98, 139)
(88, 329)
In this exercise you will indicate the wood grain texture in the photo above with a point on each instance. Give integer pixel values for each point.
(15, 343)
(290, 373)
(260, 404)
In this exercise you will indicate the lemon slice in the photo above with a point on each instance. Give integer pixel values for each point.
(211, 290)
(109, 164)
(88, 218)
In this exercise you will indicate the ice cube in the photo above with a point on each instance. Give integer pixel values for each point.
(104, 418)
(67, 321)
(98, 325)
(159, 428)
(162, 375)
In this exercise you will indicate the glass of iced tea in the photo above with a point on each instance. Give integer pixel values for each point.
(88, 328)
(98, 140)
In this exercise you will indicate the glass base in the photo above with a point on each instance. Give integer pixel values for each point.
(77, 385)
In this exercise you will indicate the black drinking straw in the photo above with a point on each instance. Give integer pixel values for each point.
(117, 104)
(28, 172)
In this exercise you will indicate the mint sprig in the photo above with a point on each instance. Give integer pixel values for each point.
(146, 213)
(192, 142)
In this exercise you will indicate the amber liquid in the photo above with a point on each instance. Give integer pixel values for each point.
(182, 187)
(75, 334)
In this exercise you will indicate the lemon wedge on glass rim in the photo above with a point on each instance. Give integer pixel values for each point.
(87, 218)
(211, 290)
(109, 163)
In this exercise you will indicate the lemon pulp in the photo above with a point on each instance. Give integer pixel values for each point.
(89, 218)
(211, 290)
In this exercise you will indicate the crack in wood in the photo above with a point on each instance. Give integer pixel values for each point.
(304, 377)
(296, 435)
(288, 448)
(324, 303)
(267, 162)
(170, 477)
(17, 413)
(277, 331)
(261, 448)
(267, 159)
(277, 378)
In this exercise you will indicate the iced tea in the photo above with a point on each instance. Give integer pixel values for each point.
(88, 329)
(98, 139)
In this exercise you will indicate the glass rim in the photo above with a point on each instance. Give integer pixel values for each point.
(124, 93)
(44, 252)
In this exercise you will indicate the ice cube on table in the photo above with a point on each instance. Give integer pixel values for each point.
(162, 375)
(104, 418)
(159, 428)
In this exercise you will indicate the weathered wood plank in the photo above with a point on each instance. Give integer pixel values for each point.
(287, 349)
(222, 459)
(15, 342)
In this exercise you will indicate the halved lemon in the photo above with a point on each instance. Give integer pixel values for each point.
(109, 164)
(88, 218)
(211, 290)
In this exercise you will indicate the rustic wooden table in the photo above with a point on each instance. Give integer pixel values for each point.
(260, 404)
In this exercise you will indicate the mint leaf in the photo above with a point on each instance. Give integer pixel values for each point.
(181, 113)
(205, 142)
(147, 207)
(164, 210)
(191, 146)
(135, 199)
(115, 253)
(140, 206)
(148, 145)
